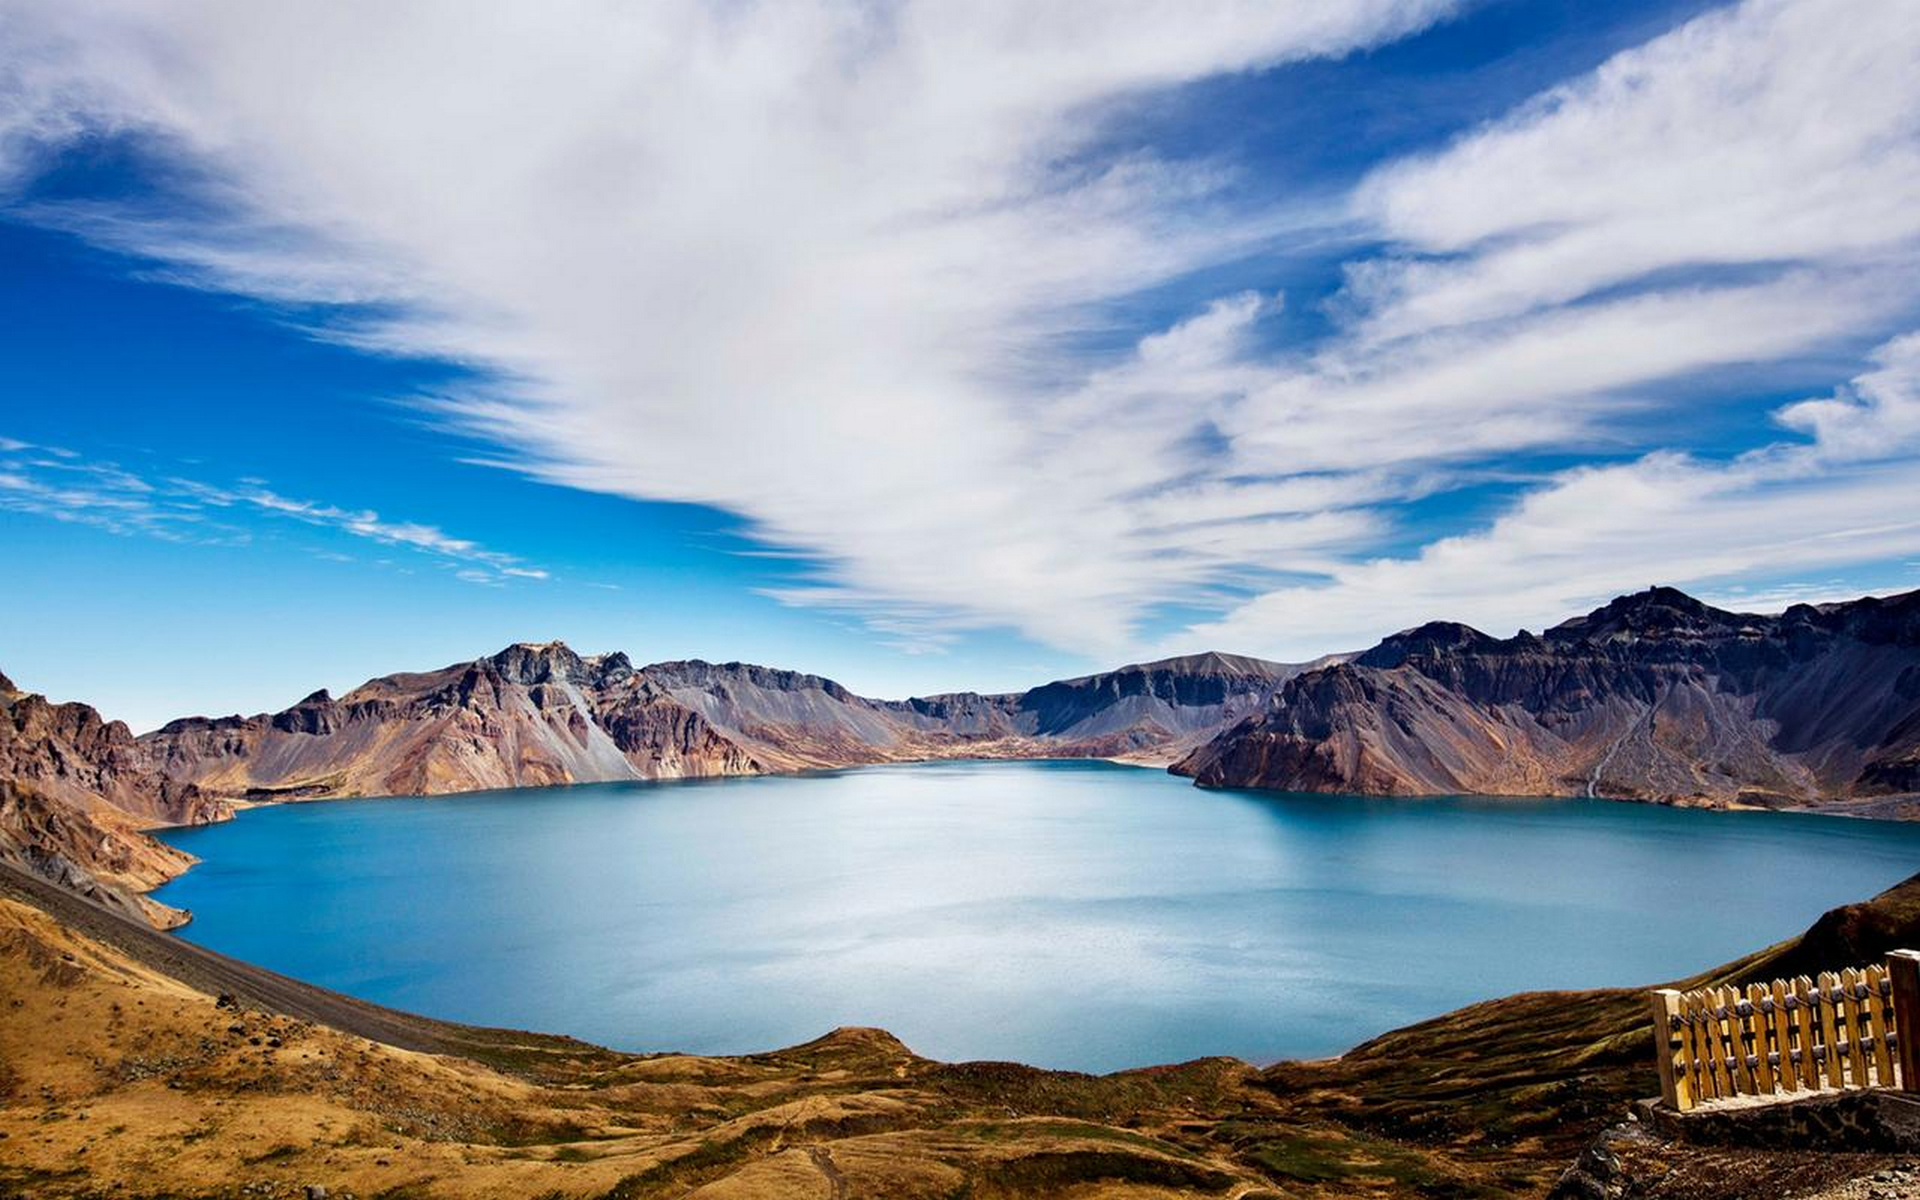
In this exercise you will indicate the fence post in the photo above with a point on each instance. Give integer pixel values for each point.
(1665, 1006)
(1903, 967)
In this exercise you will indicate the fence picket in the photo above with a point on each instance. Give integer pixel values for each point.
(1667, 1043)
(1736, 1045)
(1877, 1004)
(1807, 1025)
(1829, 1032)
(1722, 1052)
(1808, 1018)
(1903, 970)
(1857, 1025)
(1702, 1051)
(1759, 1039)
(1786, 1074)
(1717, 1042)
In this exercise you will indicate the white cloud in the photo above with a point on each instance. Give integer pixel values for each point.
(1771, 132)
(1846, 497)
(814, 263)
(805, 261)
(1743, 190)
(107, 496)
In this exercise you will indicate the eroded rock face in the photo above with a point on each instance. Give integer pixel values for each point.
(1654, 696)
(98, 854)
(69, 752)
(76, 791)
(526, 717)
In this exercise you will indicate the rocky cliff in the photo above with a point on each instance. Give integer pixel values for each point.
(1654, 696)
(76, 791)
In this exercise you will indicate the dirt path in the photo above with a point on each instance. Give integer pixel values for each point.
(255, 987)
(836, 1182)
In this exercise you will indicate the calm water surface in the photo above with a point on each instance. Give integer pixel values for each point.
(1067, 914)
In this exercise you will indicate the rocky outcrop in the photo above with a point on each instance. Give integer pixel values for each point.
(1654, 696)
(663, 738)
(76, 792)
(95, 853)
(68, 751)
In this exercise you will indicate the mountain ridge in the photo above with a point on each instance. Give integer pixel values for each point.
(539, 713)
(1652, 696)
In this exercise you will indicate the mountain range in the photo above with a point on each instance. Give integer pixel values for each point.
(1655, 696)
(538, 715)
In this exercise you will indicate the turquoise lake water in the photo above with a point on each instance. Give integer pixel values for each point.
(1068, 914)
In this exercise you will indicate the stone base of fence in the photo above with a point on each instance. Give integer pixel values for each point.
(1873, 1120)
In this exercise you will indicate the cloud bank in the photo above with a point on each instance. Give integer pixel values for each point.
(828, 267)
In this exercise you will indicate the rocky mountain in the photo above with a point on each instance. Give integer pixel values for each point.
(1655, 696)
(76, 792)
(533, 715)
(529, 716)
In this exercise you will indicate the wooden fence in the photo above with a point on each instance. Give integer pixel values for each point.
(1790, 1036)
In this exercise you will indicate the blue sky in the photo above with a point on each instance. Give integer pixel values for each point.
(932, 346)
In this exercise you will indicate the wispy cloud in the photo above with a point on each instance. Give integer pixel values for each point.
(64, 486)
(1843, 498)
(56, 483)
(816, 264)
(1743, 190)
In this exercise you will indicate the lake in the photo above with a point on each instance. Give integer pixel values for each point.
(1068, 914)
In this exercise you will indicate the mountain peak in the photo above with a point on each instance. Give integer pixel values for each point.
(610, 667)
(554, 646)
(1213, 662)
(1658, 596)
(1655, 610)
(1204, 663)
(1423, 639)
(537, 662)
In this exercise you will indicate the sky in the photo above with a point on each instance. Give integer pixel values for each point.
(934, 346)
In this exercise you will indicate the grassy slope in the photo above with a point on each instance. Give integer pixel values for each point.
(118, 1065)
